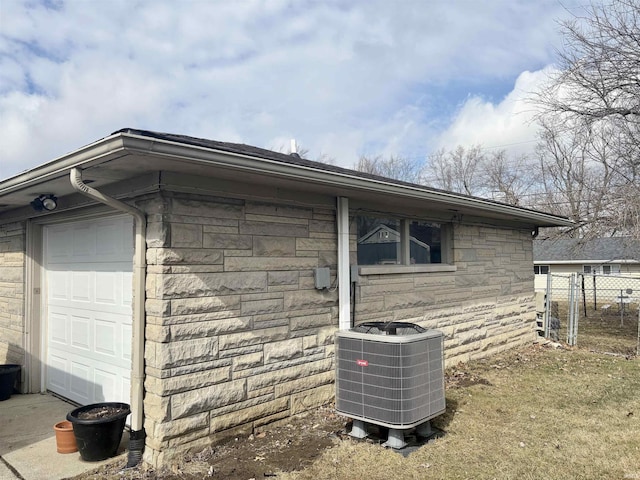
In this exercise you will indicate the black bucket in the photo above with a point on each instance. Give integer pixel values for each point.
(8, 376)
(99, 438)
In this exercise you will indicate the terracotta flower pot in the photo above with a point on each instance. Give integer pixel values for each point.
(65, 439)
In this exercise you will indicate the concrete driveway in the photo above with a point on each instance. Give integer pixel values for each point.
(28, 444)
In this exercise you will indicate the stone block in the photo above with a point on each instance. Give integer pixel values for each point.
(178, 256)
(298, 300)
(278, 210)
(187, 306)
(250, 360)
(264, 264)
(234, 352)
(303, 384)
(274, 246)
(311, 321)
(259, 307)
(315, 244)
(186, 235)
(232, 419)
(275, 219)
(253, 337)
(156, 407)
(195, 367)
(275, 229)
(158, 235)
(277, 377)
(309, 399)
(174, 428)
(226, 241)
(210, 284)
(209, 328)
(201, 207)
(188, 351)
(191, 381)
(208, 398)
(283, 350)
(408, 300)
(322, 226)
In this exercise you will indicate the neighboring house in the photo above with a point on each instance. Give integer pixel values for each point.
(216, 327)
(594, 256)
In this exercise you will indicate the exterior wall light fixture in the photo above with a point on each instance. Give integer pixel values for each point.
(47, 202)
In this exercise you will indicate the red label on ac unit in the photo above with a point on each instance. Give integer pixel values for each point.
(362, 363)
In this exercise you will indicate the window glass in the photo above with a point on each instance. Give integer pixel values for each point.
(378, 241)
(381, 241)
(541, 269)
(425, 242)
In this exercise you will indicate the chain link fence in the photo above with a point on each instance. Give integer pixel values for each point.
(597, 312)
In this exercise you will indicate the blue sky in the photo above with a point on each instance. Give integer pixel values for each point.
(344, 78)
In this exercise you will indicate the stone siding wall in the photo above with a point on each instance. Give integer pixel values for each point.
(237, 336)
(12, 261)
(487, 305)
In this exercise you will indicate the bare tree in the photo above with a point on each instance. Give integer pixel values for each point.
(594, 98)
(599, 74)
(399, 168)
(458, 170)
(511, 180)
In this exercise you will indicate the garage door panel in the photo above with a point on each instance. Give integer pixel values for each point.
(127, 332)
(107, 286)
(89, 309)
(81, 286)
(106, 338)
(80, 381)
(58, 328)
(109, 384)
(57, 373)
(57, 285)
(81, 332)
(127, 293)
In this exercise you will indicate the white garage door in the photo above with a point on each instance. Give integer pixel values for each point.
(88, 309)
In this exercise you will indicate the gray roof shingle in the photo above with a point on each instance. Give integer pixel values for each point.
(593, 249)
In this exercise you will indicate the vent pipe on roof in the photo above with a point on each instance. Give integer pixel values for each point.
(137, 434)
(294, 148)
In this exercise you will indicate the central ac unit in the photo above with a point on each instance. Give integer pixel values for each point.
(390, 374)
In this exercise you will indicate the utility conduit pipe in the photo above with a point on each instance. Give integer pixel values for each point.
(137, 435)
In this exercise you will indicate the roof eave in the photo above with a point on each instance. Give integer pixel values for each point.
(262, 165)
(104, 149)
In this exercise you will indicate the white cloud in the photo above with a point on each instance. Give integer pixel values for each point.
(343, 78)
(508, 124)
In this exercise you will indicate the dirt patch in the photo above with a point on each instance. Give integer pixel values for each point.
(291, 446)
(104, 411)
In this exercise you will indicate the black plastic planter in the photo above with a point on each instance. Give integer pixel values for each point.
(99, 438)
(8, 375)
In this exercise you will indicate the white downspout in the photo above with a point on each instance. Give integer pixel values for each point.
(344, 285)
(136, 441)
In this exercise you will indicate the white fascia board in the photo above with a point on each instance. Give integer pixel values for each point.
(94, 153)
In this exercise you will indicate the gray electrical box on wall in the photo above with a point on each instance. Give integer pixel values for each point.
(322, 277)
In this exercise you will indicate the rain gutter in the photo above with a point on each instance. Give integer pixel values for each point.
(206, 155)
(137, 435)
